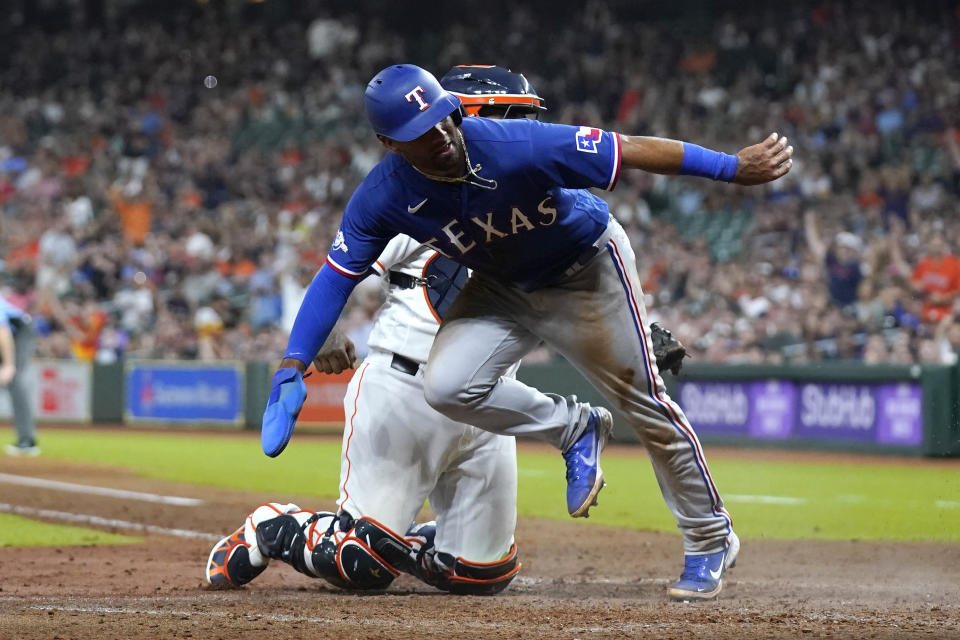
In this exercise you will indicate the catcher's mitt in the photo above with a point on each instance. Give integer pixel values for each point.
(669, 351)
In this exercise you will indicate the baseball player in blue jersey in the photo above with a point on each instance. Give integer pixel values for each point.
(509, 200)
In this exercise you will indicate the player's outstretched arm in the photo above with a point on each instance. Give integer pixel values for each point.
(756, 164)
(322, 304)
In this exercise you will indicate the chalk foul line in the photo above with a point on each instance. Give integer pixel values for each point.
(56, 485)
(110, 523)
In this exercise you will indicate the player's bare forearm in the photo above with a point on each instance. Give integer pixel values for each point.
(656, 155)
(756, 164)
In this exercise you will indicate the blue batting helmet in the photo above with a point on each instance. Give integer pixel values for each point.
(404, 101)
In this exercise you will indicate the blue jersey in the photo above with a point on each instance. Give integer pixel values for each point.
(525, 232)
(8, 312)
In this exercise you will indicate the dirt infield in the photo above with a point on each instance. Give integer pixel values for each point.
(608, 584)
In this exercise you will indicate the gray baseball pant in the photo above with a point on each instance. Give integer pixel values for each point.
(23, 419)
(596, 319)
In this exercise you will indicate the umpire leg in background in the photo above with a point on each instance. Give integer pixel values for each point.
(23, 418)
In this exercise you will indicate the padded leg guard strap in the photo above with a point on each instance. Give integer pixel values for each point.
(284, 538)
(460, 576)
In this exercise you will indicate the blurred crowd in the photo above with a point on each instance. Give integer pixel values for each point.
(171, 181)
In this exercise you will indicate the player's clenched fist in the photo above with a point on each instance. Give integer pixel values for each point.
(764, 162)
(336, 355)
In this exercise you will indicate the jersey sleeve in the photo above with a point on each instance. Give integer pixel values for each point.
(4, 314)
(324, 300)
(397, 251)
(575, 157)
(360, 238)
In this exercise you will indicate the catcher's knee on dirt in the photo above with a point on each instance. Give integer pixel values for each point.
(350, 554)
(463, 577)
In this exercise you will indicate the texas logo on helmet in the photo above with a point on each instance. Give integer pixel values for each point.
(587, 139)
(417, 94)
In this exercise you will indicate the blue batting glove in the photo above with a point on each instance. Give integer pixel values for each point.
(286, 399)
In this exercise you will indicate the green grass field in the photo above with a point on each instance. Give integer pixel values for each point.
(17, 531)
(785, 500)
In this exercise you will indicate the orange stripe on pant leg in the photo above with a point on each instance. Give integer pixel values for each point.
(346, 451)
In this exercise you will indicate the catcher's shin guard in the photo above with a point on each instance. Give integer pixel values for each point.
(284, 538)
(349, 554)
(463, 577)
(369, 556)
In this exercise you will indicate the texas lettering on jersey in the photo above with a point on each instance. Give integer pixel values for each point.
(519, 222)
(526, 231)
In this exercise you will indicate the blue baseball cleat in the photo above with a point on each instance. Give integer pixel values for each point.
(702, 577)
(584, 477)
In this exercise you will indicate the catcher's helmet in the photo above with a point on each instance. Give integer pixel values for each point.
(486, 90)
(404, 101)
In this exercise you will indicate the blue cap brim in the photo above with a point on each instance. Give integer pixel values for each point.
(423, 121)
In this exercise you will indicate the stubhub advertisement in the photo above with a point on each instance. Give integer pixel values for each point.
(889, 414)
(161, 392)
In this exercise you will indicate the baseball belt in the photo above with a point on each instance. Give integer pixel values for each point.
(590, 252)
(587, 254)
(404, 364)
(405, 281)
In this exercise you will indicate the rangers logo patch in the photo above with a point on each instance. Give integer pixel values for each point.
(339, 244)
(417, 94)
(587, 139)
